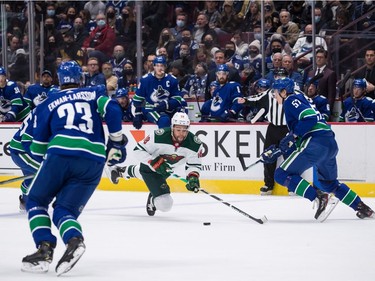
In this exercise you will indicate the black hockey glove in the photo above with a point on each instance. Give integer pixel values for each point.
(271, 154)
(227, 115)
(193, 182)
(160, 166)
(137, 120)
(162, 106)
(116, 150)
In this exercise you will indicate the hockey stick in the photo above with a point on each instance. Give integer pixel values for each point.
(16, 179)
(261, 220)
(242, 161)
(257, 116)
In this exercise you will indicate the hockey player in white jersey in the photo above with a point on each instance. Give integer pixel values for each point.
(164, 150)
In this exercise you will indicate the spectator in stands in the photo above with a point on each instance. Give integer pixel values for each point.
(127, 26)
(288, 29)
(276, 46)
(195, 85)
(118, 60)
(181, 24)
(94, 77)
(252, 18)
(213, 14)
(50, 30)
(186, 37)
(148, 65)
(70, 49)
(101, 40)
(80, 33)
(51, 53)
(95, 8)
(368, 72)
(110, 79)
(19, 70)
(360, 10)
(277, 60)
(162, 51)
(296, 8)
(111, 17)
(242, 48)
(229, 19)
(327, 84)
(288, 64)
(321, 102)
(186, 58)
(88, 23)
(67, 18)
(167, 40)
(253, 63)
(357, 107)
(128, 80)
(223, 106)
(233, 74)
(209, 43)
(203, 56)
(14, 45)
(202, 28)
(51, 12)
(231, 57)
(305, 44)
(155, 15)
(177, 69)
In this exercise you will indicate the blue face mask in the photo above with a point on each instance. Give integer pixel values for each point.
(100, 23)
(317, 18)
(51, 13)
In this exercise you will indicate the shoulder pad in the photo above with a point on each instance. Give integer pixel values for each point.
(197, 140)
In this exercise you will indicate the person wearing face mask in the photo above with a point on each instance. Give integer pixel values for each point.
(67, 18)
(187, 39)
(253, 61)
(50, 30)
(167, 40)
(305, 44)
(19, 70)
(101, 40)
(181, 24)
(128, 80)
(118, 60)
(70, 49)
(231, 57)
(80, 32)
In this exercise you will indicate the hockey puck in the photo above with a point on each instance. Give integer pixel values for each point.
(206, 223)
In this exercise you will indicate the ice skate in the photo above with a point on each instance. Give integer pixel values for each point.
(115, 173)
(150, 208)
(331, 205)
(265, 190)
(364, 211)
(22, 204)
(321, 201)
(40, 260)
(74, 250)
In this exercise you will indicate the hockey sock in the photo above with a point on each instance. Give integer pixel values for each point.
(347, 196)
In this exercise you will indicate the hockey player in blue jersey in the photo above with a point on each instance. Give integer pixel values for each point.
(37, 92)
(357, 107)
(321, 102)
(158, 97)
(123, 100)
(310, 143)
(12, 105)
(223, 105)
(68, 133)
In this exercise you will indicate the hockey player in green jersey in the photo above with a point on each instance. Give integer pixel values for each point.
(164, 150)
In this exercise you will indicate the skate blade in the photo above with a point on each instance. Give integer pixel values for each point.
(64, 267)
(41, 267)
(265, 193)
(332, 203)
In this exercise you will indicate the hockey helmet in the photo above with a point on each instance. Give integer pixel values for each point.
(310, 81)
(359, 83)
(121, 93)
(69, 72)
(159, 59)
(2, 71)
(222, 67)
(280, 72)
(281, 84)
(180, 118)
(263, 83)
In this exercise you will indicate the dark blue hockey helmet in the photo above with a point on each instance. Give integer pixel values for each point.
(360, 83)
(69, 72)
(286, 83)
(159, 59)
(2, 71)
(263, 83)
(121, 93)
(222, 67)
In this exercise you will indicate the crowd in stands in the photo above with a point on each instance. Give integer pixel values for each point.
(195, 38)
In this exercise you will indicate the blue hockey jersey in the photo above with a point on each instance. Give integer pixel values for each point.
(357, 110)
(302, 117)
(36, 93)
(68, 122)
(11, 93)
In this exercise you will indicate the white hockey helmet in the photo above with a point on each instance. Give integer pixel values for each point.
(180, 118)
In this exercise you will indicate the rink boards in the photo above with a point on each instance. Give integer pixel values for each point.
(222, 171)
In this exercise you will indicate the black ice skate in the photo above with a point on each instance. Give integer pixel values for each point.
(40, 260)
(364, 211)
(321, 201)
(115, 173)
(265, 190)
(74, 250)
(22, 204)
(150, 208)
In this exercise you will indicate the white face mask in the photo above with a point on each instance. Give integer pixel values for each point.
(180, 23)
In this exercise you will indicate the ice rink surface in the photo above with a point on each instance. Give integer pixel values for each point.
(123, 243)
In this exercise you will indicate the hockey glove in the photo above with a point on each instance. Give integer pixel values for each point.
(271, 154)
(227, 115)
(287, 143)
(193, 182)
(160, 166)
(116, 150)
(137, 120)
(7, 118)
(162, 106)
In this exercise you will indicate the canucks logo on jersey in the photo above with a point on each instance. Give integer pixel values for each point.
(159, 94)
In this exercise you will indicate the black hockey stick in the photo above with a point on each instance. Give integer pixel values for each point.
(261, 220)
(242, 161)
(16, 179)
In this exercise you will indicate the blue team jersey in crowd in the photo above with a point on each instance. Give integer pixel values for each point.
(302, 117)
(36, 93)
(65, 123)
(153, 90)
(321, 104)
(19, 109)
